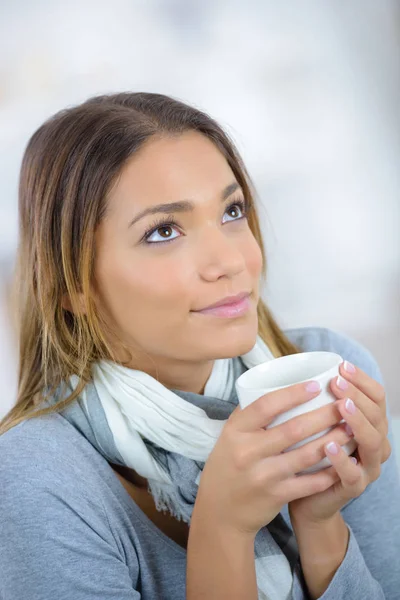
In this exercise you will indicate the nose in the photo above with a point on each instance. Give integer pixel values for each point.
(219, 256)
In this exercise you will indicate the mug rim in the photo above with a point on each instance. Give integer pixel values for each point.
(241, 380)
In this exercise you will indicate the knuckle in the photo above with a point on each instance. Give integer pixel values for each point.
(263, 409)
(376, 417)
(387, 452)
(258, 479)
(286, 469)
(241, 459)
(310, 454)
(375, 443)
(355, 481)
(293, 430)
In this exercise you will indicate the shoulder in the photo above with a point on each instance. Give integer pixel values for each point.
(51, 476)
(39, 444)
(57, 531)
(43, 437)
(46, 455)
(311, 339)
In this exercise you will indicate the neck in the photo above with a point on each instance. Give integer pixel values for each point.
(182, 375)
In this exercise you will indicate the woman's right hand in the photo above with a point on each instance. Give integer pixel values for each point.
(248, 477)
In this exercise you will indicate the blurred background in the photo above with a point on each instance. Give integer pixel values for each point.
(310, 92)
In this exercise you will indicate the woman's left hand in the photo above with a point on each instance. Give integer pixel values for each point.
(366, 415)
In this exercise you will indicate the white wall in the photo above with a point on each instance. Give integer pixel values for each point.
(310, 92)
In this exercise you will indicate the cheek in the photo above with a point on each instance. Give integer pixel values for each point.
(161, 286)
(129, 288)
(253, 257)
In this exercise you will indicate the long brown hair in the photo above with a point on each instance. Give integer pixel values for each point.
(69, 166)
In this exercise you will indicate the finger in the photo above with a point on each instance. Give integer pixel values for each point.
(294, 461)
(280, 438)
(366, 384)
(372, 411)
(370, 441)
(386, 451)
(351, 473)
(260, 445)
(302, 486)
(262, 411)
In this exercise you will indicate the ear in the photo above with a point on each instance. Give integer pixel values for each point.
(67, 305)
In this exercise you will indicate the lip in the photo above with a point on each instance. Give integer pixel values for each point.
(229, 307)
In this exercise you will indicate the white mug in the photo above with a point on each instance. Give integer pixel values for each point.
(289, 370)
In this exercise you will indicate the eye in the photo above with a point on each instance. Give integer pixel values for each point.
(236, 211)
(163, 233)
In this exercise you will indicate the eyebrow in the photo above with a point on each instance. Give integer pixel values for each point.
(182, 206)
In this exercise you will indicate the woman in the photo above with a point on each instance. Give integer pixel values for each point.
(139, 267)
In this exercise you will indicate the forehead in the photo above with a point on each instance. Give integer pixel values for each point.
(169, 169)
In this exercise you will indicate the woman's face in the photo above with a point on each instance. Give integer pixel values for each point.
(158, 267)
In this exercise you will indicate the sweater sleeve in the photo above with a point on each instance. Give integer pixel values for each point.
(352, 580)
(55, 543)
(369, 570)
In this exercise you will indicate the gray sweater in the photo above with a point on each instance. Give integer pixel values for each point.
(70, 530)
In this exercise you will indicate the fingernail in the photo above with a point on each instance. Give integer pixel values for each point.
(350, 406)
(332, 448)
(349, 367)
(353, 459)
(348, 429)
(313, 386)
(342, 383)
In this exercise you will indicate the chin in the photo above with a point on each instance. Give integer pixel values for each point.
(234, 341)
